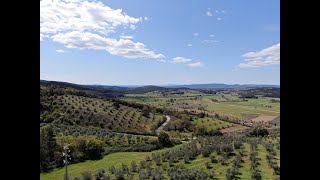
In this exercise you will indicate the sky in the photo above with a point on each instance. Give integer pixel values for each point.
(160, 42)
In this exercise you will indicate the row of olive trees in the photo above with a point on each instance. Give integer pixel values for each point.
(271, 158)
(255, 173)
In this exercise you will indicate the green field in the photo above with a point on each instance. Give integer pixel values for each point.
(225, 104)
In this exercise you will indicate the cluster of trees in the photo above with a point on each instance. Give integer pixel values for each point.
(248, 96)
(180, 121)
(82, 148)
(203, 131)
(267, 92)
(259, 131)
(181, 173)
(86, 147)
(50, 151)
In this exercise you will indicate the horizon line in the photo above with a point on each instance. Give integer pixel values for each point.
(170, 84)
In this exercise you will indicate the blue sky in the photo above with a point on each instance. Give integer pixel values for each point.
(160, 42)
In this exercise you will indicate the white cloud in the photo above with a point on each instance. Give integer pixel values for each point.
(196, 65)
(41, 37)
(66, 15)
(266, 57)
(162, 60)
(211, 35)
(180, 60)
(60, 51)
(86, 24)
(126, 37)
(219, 19)
(189, 45)
(208, 13)
(122, 47)
(223, 11)
(217, 11)
(196, 34)
(146, 18)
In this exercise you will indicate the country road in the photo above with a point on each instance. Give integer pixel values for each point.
(164, 124)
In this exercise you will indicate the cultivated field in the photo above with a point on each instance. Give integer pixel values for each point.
(224, 104)
(198, 156)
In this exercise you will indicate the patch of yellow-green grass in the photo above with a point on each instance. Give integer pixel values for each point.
(244, 170)
(211, 123)
(278, 156)
(265, 169)
(115, 159)
(198, 163)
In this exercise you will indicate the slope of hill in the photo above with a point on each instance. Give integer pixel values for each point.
(69, 106)
(108, 91)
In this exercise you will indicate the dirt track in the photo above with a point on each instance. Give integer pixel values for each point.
(164, 124)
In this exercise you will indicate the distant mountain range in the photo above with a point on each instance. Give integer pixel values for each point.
(221, 86)
(149, 88)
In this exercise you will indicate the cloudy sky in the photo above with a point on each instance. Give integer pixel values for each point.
(139, 42)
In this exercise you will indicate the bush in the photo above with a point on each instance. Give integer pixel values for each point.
(256, 175)
(142, 164)
(213, 159)
(133, 166)
(164, 139)
(100, 175)
(119, 174)
(186, 159)
(208, 165)
(86, 175)
(230, 175)
(112, 169)
(259, 131)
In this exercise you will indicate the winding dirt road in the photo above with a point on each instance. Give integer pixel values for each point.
(163, 125)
